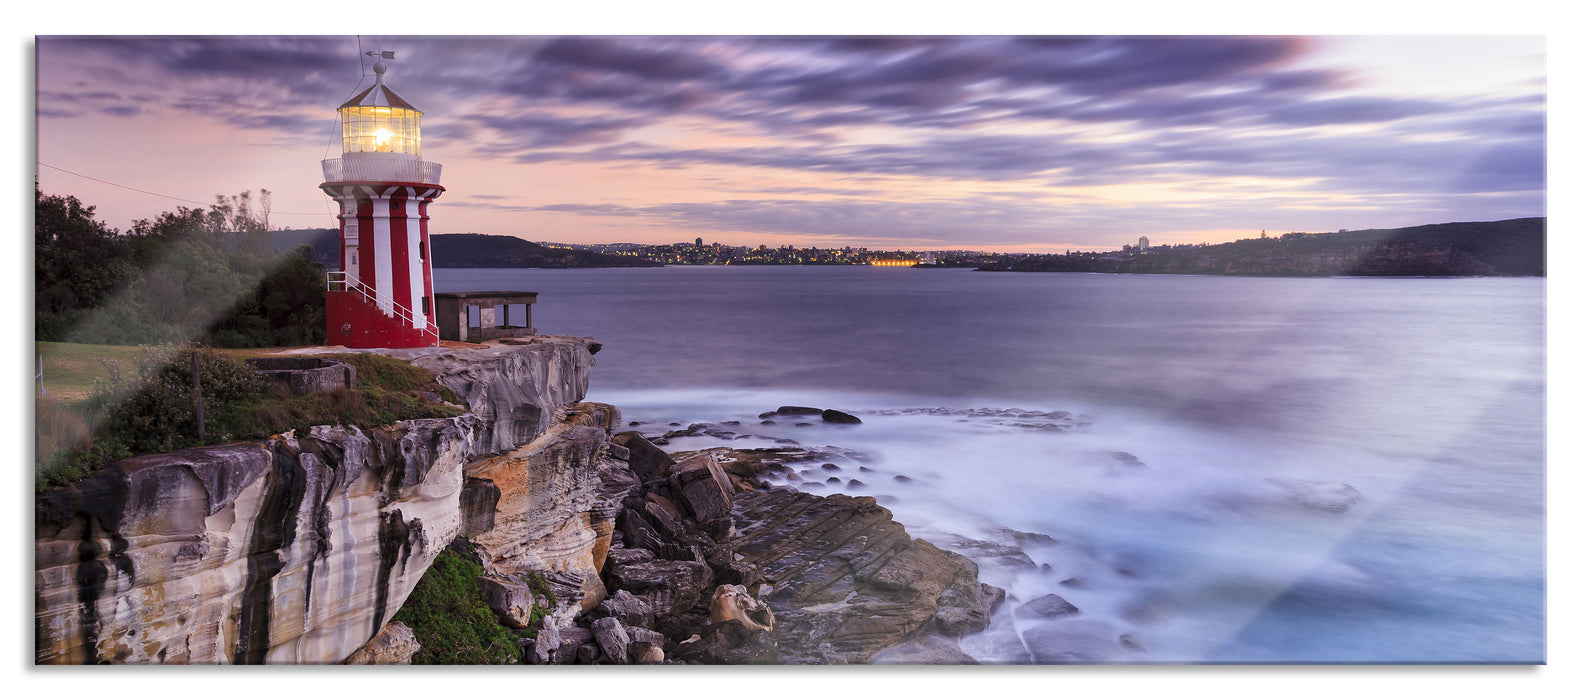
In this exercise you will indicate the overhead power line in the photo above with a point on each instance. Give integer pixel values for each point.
(272, 212)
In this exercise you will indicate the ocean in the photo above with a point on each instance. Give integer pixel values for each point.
(1209, 469)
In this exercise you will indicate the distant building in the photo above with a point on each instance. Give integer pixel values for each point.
(1142, 243)
(698, 241)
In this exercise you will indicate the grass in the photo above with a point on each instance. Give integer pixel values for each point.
(70, 369)
(152, 410)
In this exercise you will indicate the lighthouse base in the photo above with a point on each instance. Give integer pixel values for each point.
(355, 322)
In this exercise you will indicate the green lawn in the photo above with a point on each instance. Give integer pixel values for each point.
(71, 368)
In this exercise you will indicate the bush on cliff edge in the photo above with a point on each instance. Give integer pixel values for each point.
(152, 408)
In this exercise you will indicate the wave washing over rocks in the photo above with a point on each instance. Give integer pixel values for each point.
(1012, 417)
(1068, 600)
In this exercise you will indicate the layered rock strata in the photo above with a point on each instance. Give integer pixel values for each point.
(515, 388)
(846, 581)
(299, 549)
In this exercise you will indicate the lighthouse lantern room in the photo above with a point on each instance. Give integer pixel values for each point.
(383, 295)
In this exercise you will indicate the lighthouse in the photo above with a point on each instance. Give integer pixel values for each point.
(383, 295)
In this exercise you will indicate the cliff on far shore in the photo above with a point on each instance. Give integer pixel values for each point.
(1514, 247)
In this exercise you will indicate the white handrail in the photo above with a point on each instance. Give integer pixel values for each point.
(351, 283)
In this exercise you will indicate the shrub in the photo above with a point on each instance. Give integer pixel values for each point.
(452, 621)
(158, 412)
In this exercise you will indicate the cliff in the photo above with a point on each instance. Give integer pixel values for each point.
(594, 547)
(297, 549)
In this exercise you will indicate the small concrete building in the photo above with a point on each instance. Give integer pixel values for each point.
(474, 317)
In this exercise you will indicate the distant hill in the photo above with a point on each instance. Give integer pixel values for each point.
(323, 240)
(1510, 247)
(481, 250)
(469, 250)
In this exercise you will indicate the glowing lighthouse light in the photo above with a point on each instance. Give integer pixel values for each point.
(383, 294)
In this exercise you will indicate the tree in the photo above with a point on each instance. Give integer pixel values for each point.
(191, 274)
(78, 262)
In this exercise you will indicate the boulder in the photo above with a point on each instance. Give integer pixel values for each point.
(510, 597)
(627, 608)
(703, 486)
(1327, 496)
(966, 607)
(544, 647)
(732, 602)
(627, 555)
(831, 415)
(643, 634)
(1046, 606)
(663, 515)
(1076, 641)
(571, 639)
(646, 460)
(647, 653)
(612, 639)
(671, 589)
(798, 411)
(393, 646)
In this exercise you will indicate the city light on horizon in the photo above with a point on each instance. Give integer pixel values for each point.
(974, 143)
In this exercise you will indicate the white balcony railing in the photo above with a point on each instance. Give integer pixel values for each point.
(346, 282)
(380, 167)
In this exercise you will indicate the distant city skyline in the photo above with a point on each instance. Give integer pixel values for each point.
(980, 143)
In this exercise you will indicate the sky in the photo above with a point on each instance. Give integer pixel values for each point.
(1035, 143)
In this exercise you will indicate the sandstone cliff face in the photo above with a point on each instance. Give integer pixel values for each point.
(515, 389)
(298, 549)
(545, 518)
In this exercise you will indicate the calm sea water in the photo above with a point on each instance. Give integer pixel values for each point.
(1252, 470)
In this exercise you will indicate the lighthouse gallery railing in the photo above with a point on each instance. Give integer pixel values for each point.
(347, 282)
(380, 167)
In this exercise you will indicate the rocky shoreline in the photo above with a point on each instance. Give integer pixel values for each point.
(701, 543)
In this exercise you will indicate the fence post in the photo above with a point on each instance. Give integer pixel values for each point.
(197, 391)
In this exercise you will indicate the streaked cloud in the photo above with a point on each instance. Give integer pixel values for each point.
(862, 138)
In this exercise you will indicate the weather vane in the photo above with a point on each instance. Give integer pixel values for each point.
(379, 62)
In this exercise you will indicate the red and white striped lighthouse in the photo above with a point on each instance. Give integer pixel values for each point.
(383, 297)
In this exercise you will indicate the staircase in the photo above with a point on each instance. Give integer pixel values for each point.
(359, 317)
